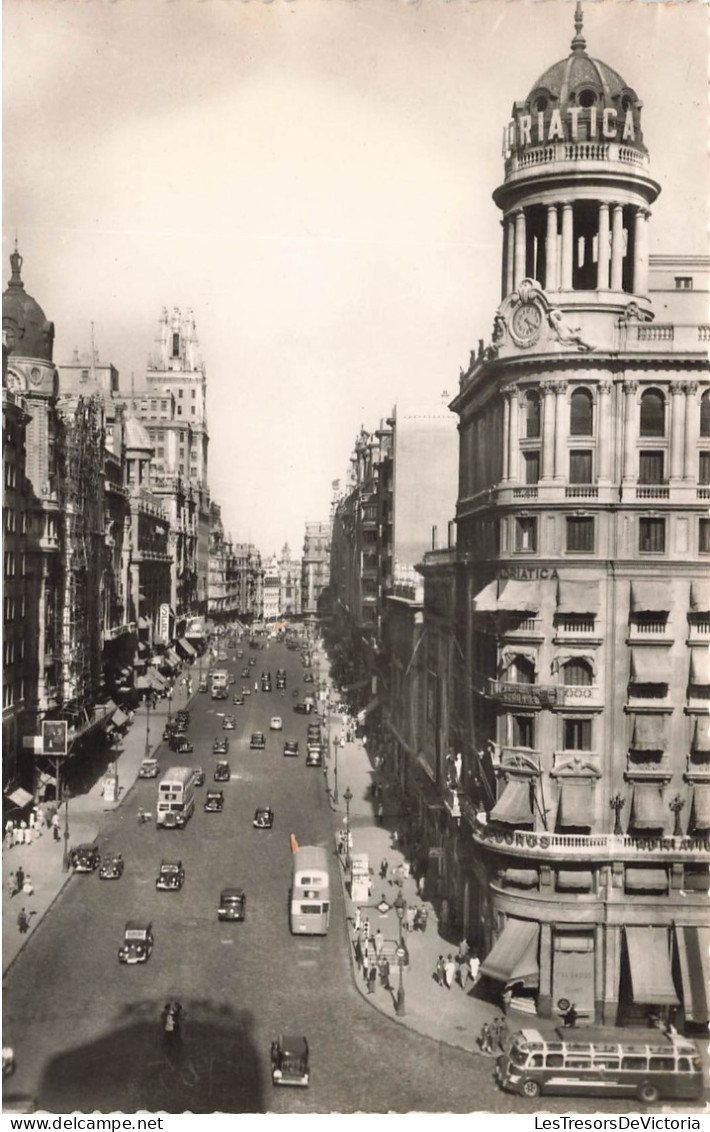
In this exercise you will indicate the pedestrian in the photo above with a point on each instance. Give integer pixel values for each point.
(421, 885)
(463, 973)
(449, 971)
(395, 838)
(23, 922)
(9, 833)
(379, 943)
(439, 971)
(365, 963)
(371, 979)
(380, 813)
(28, 888)
(484, 1038)
(357, 947)
(11, 885)
(474, 964)
(55, 826)
(506, 999)
(464, 949)
(494, 1034)
(570, 1016)
(410, 917)
(24, 832)
(40, 821)
(17, 835)
(385, 972)
(31, 823)
(423, 917)
(19, 879)
(358, 919)
(384, 865)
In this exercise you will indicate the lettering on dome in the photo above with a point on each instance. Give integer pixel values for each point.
(608, 124)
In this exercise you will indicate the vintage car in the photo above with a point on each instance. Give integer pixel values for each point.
(199, 776)
(183, 715)
(137, 942)
(303, 709)
(289, 1060)
(149, 768)
(291, 749)
(276, 723)
(307, 677)
(222, 771)
(182, 746)
(203, 685)
(263, 817)
(252, 660)
(240, 654)
(245, 673)
(232, 904)
(314, 756)
(85, 858)
(171, 876)
(214, 802)
(168, 731)
(280, 683)
(220, 746)
(111, 867)
(238, 699)
(257, 741)
(229, 723)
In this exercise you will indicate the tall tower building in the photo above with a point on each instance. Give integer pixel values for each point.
(583, 544)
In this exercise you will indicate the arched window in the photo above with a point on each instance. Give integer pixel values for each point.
(576, 673)
(532, 414)
(705, 413)
(653, 416)
(580, 413)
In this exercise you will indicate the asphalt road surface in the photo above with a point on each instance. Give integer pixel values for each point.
(85, 1028)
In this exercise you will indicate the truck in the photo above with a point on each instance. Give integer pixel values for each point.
(220, 682)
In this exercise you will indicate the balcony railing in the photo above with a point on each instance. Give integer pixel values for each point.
(580, 846)
(525, 492)
(582, 491)
(654, 491)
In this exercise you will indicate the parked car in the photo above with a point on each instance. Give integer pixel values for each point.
(276, 723)
(137, 942)
(168, 731)
(111, 867)
(246, 691)
(289, 1060)
(85, 858)
(220, 746)
(232, 904)
(245, 673)
(214, 802)
(171, 876)
(149, 768)
(203, 685)
(229, 723)
(303, 709)
(307, 677)
(257, 742)
(222, 771)
(291, 748)
(182, 746)
(263, 817)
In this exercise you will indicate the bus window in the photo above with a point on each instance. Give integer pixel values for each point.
(536, 1061)
(630, 1062)
(606, 1061)
(662, 1063)
(684, 1065)
(555, 1061)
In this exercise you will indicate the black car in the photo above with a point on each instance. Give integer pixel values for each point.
(263, 817)
(257, 742)
(220, 746)
(232, 904)
(85, 858)
(222, 771)
(111, 867)
(314, 756)
(214, 802)
(303, 709)
(171, 876)
(308, 678)
(181, 745)
(291, 749)
(199, 776)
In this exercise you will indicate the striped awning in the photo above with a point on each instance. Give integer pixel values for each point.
(577, 597)
(693, 945)
(186, 648)
(575, 805)
(650, 596)
(650, 965)
(514, 956)
(514, 807)
(519, 597)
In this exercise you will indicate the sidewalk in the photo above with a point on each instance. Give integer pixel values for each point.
(42, 858)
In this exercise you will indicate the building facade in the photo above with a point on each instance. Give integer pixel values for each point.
(289, 584)
(315, 565)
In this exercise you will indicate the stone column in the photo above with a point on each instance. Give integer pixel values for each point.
(617, 246)
(547, 389)
(506, 434)
(567, 248)
(561, 430)
(544, 994)
(551, 278)
(630, 430)
(604, 427)
(504, 259)
(520, 246)
(692, 430)
(677, 429)
(511, 394)
(603, 249)
(509, 254)
(640, 286)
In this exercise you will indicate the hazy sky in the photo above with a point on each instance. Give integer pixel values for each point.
(314, 179)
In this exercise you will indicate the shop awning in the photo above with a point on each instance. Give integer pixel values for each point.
(19, 797)
(649, 733)
(575, 806)
(694, 962)
(646, 880)
(647, 809)
(700, 809)
(700, 596)
(649, 666)
(486, 601)
(650, 963)
(141, 683)
(522, 878)
(650, 597)
(513, 958)
(514, 807)
(701, 737)
(156, 680)
(700, 666)
(120, 718)
(571, 880)
(519, 597)
(186, 648)
(143, 623)
(578, 597)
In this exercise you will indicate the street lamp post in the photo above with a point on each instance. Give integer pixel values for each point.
(336, 744)
(617, 804)
(348, 797)
(65, 855)
(147, 729)
(170, 704)
(400, 905)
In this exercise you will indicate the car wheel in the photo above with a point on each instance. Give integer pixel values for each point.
(647, 1093)
(530, 1088)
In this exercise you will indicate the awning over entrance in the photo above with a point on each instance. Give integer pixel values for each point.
(646, 880)
(186, 648)
(569, 880)
(694, 961)
(513, 958)
(650, 597)
(577, 597)
(519, 597)
(514, 807)
(486, 601)
(700, 596)
(700, 666)
(575, 806)
(156, 680)
(170, 659)
(647, 809)
(700, 809)
(701, 737)
(649, 733)
(120, 718)
(19, 797)
(650, 964)
(649, 666)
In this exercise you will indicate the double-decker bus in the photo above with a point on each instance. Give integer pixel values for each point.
(176, 797)
(220, 680)
(310, 891)
(603, 1062)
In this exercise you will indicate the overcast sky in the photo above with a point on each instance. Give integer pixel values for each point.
(314, 179)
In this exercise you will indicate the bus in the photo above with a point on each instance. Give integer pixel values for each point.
(220, 680)
(310, 892)
(176, 797)
(647, 1066)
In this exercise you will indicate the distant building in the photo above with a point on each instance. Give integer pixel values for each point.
(315, 565)
(272, 590)
(289, 584)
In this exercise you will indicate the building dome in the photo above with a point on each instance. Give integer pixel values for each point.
(26, 330)
(136, 437)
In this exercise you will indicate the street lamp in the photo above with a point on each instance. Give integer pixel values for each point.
(147, 729)
(617, 804)
(400, 905)
(65, 856)
(348, 797)
(336, 744)
(170, 704)
(676, 805)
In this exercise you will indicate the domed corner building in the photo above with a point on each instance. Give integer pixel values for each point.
(576, 855)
